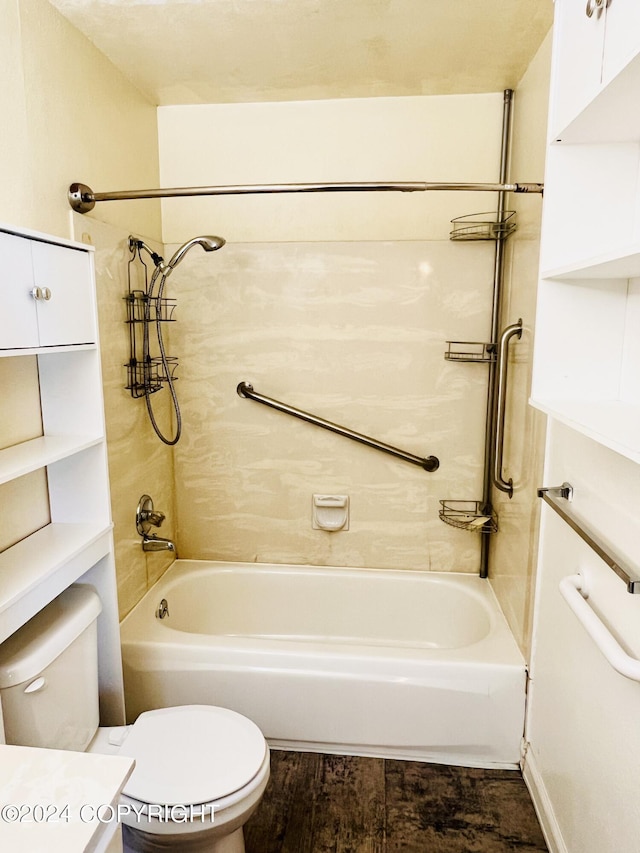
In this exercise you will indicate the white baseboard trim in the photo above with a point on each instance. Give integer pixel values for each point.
(542, 805)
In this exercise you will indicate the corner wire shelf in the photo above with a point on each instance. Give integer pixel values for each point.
(471, 351)
(483, 226)
(472, 516)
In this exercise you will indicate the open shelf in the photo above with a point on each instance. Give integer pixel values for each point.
(614, 423)
(39, 452)
(602, 120)
(623, 263)
(7, 353)
(38, 568)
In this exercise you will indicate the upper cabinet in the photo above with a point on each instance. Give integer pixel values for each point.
(578, 66)
(622, 37)
(47, 296)
(596, 63)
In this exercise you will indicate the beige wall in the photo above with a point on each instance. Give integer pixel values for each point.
(444, 138)
(513, 552)
(69, 115)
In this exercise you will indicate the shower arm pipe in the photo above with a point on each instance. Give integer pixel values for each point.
(514, 330)
(83, 199)
(430, 463)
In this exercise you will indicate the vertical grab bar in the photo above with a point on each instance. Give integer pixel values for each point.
(515, 329)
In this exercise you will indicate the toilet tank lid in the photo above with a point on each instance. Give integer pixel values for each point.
(44, 637)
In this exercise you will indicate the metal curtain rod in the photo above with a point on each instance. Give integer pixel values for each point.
(552, 496)
(83, 199)
(431, 463)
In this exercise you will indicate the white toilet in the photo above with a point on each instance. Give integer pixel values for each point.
(192, 762)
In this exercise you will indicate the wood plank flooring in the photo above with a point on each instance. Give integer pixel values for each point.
(343, 804)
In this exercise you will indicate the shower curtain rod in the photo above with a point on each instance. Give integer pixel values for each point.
(83, 199)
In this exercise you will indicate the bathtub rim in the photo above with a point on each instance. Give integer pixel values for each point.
(497, 647)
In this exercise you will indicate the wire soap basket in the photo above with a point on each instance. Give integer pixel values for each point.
(148, 309)
(483, 226)
(473, 516)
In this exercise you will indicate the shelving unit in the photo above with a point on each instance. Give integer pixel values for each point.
(587, 355)
(478, 516)
(49, 290)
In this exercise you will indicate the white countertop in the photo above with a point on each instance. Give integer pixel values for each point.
(50, 799)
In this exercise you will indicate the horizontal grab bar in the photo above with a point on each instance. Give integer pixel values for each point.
(430, 463)
(565, 493)
(615, 655)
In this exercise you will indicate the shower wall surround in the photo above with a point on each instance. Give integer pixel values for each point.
(353, 332)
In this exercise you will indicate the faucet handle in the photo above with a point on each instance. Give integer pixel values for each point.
(153, 517)
(146, 517)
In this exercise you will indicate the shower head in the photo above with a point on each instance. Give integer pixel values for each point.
(209, 244)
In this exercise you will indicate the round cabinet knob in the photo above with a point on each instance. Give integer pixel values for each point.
(41, 293)
(599, 5)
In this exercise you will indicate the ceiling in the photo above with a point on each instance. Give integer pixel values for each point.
(235, 51)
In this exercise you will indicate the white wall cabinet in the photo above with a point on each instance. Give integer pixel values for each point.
(46, 292)
(596, 49)
(577, 68)
(77, 546)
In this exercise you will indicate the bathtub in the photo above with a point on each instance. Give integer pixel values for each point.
(398, 664)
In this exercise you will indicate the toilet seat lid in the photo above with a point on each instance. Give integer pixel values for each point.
(191, 754)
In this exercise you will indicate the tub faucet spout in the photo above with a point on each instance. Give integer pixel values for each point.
(151, 542)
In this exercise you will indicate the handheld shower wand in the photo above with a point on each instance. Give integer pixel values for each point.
(209, 244)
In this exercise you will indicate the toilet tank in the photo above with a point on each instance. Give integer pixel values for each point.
(49, 674)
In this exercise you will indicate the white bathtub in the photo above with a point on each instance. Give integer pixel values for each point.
(417, 665)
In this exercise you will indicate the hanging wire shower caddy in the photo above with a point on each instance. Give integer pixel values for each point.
(146, 373)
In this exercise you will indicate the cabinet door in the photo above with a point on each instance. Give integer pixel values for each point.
(622, 36)
(578, 46)
(67, 316)
(18, 321)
